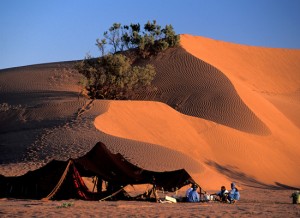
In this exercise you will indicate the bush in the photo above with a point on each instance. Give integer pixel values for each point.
(151, 41)
(113, 76)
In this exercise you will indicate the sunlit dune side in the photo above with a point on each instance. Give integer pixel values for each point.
(236, 149)
(268, 81)
(213, 146)
(153, 122)
(157, 123)
(266, 73)
(271, 70)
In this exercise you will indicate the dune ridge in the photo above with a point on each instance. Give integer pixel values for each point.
(269, 157)
(278, 78)
(214, 114)
(196, 88)
(267, 73)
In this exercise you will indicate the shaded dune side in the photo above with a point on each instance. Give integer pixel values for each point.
(33, 99)
(152, 156)
(196, 88)
(43, 117)
(40, 78)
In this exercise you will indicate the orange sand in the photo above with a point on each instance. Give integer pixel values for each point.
(260, 76)
(224, 112)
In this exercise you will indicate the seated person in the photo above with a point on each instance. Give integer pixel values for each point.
(193, 195)
(222, 194)
(234, 194)
(188, 191)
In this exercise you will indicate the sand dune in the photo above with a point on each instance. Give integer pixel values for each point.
(196, 88)
(222, 111)
(242, 134)
(267, 73)
(268, 81)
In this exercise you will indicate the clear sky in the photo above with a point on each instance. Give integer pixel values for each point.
(42, 31)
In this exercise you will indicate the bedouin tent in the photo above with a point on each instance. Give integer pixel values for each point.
(59, 180)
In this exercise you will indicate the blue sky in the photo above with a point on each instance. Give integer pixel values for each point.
(42, 31)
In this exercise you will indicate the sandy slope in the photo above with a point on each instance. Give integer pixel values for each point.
(268, 81)
(222, 111)
(251, 139)
(42, 118)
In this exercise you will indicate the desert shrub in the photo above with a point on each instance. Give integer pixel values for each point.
(170, 36)
(152, 40)
(114, 75)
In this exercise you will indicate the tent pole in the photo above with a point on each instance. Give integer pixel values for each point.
(201, 193)
(155, 193)
(52, 193)
(36, 190)
(96, 182)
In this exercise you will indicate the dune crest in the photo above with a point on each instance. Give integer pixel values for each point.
(153, 122)
(222, 111)
(257, 73)
(268, 81)
(265, 160)
(196, 88)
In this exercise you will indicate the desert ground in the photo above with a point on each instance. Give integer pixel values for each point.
(223, 111)
(254, 203)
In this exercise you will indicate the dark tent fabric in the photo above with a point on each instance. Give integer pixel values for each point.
(63, 179)
(34, 184)
(115, 168)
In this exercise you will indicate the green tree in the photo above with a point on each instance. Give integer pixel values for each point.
(113, 75)
(170, 36)
(101, 45)
(113, 35)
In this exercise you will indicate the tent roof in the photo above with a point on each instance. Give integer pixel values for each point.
(115, 168)
(62, 179)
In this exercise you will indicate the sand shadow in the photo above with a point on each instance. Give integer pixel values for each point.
(235, 174)
(196, 88)
(32, 97)
(30, 115)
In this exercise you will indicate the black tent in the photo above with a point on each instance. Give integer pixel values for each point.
(59, 180)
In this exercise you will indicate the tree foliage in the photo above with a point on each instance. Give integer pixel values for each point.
(114, 75)
(152, 40)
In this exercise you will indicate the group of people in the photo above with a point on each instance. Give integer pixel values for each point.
(228, 196)
(223, 195)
